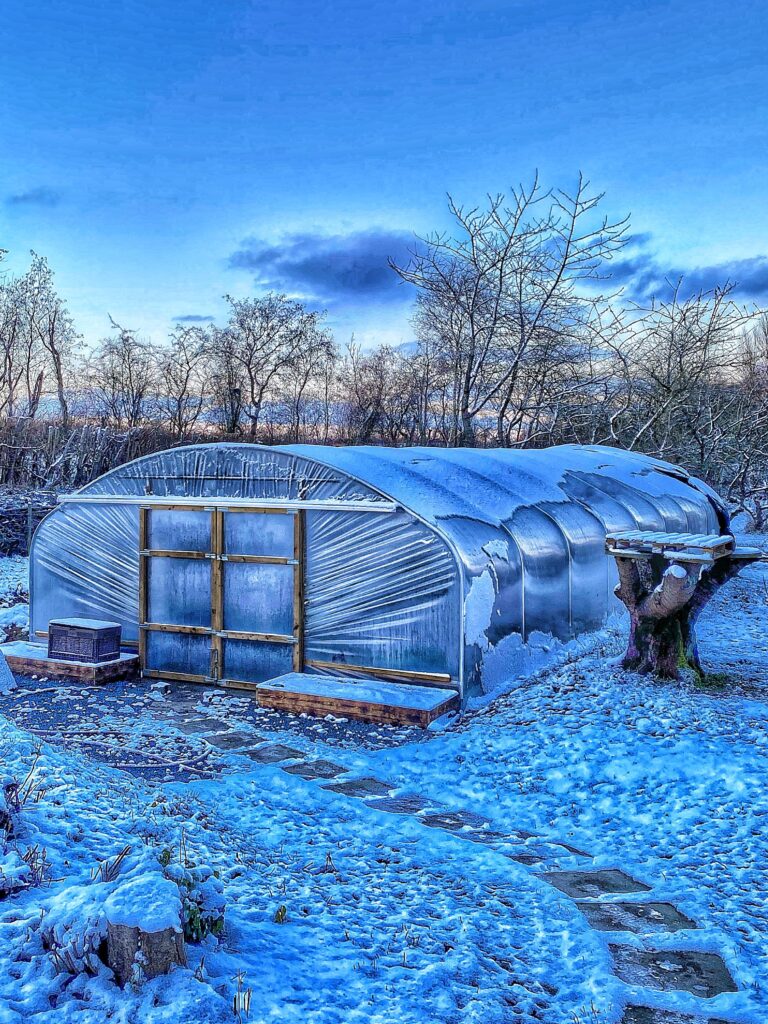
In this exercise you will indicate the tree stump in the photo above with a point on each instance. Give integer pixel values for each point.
(155, 952)
(665, 598)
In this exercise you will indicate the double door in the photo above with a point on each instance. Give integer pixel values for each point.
(220, 593)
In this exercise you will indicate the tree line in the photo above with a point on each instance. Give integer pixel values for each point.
(520, 340)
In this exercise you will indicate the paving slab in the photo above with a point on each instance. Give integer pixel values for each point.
(233, 740)
(453, 821)
(201, 724)
(406, 804)
(490, 836)
(316, 769)
(672, 970)
(650, 1015)
(273, 753)
(641, 918)
(586, 884)
(360, 787)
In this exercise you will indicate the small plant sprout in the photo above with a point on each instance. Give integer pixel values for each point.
(281, 914)
(109, 869)
(241, 1001)
(587, 1015)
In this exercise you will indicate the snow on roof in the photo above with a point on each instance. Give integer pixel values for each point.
(449, 488)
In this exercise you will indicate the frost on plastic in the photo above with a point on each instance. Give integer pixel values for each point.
(484, 544)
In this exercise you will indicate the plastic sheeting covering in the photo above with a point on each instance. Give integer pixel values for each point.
(382, 591)
(486, 544)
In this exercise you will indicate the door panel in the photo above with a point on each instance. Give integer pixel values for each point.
(179, 530)
(258, 533)
(178, 653)
(179, 591)
(258, 598)
(255, 661)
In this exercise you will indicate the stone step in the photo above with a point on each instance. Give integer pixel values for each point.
(602, 882)
(642, 918)
(273, 753)
(651, 1015)
(408, 803)
(667, 970)
(360, 787)
(315, 769)
(234, 740)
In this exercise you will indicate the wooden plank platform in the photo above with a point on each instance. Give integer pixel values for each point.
(30, 659)
(679, 547)
(368, 700)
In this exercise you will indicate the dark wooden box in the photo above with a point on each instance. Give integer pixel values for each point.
(88, 640)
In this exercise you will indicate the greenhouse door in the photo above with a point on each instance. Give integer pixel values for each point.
(220, 593)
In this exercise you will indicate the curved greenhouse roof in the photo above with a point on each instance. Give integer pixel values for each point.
(474, 555)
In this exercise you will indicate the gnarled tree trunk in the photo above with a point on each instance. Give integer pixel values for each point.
(664, 599)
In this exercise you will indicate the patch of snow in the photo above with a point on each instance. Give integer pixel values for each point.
(147, 901)
(478, 609)
(497, 548)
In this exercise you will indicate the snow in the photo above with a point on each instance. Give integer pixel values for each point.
(147, 901)
(344, 688)
(386, 920)
(676, 571)
(86, 623)
(7, 682)
(478, 609)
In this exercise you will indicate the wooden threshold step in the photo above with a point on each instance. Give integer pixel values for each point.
(369, 700)
(28, 659)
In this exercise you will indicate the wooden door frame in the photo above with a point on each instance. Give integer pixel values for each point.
(218, 556)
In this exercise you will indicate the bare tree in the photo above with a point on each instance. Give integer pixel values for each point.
(265, 338)
(50, 327)
(122, 378)
(181, 379)
(511, 277)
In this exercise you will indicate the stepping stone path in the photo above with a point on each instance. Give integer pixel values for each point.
(702, 974)
(596, 892)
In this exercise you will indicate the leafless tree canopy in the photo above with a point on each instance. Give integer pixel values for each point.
(519, 340)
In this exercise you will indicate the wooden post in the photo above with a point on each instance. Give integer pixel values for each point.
(299, 528)
(143, 570)
(217, 593)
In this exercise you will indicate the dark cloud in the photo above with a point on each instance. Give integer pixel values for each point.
(193, 318)
(40, 196)
(330, 268)
(645, 276)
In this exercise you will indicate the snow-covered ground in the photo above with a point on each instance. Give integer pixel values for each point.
(386, 920)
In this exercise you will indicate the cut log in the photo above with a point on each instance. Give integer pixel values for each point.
(155, 952)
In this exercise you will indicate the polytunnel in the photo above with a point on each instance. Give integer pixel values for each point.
(238, 563)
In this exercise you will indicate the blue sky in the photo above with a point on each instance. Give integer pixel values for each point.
(162, 154)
